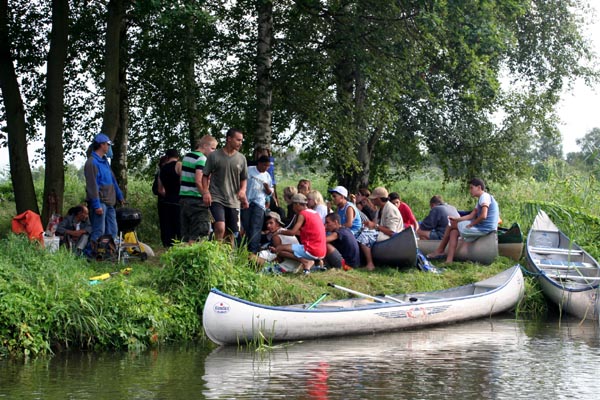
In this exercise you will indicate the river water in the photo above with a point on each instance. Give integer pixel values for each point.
(499, 358)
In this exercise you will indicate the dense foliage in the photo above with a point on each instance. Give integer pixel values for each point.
(371, 89)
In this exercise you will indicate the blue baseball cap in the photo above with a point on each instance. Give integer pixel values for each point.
(102, 138)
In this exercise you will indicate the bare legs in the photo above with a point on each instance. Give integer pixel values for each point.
(368, 256)
(285, 251)
(219, 230)
(450, 239)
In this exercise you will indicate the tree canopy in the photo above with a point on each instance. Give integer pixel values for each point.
(375, 88)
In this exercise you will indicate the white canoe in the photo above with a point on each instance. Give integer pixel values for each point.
(568, 275)
(483, 250)
(231, 320)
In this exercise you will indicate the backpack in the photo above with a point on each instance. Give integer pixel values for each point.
(424, 265)
(105, 248)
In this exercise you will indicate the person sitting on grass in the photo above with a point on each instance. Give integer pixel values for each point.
(349, 214)
(342, 247)
(364, 204)
(317, 203)
(479, 222)
(74, 230)
(309, 226)
(274, 226)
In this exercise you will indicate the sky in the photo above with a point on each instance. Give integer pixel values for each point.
(578, 110)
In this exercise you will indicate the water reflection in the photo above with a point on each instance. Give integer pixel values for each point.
(491, 359)
(480, 359)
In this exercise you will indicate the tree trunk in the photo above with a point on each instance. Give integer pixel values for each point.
(119, 162)
(20, 170)
(116, 14)
(191, 92)
(264, 90)
(54, 179)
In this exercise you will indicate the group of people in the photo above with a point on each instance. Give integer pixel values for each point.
(355, 226)
(213, 190)
(205, 190)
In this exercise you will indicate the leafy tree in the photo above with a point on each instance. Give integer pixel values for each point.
(590, 146)
(54, 180)
(16, 126)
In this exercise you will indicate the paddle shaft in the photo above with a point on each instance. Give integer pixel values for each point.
(366, 296)
(320, 299)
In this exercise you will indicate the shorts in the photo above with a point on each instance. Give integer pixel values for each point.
(368, 237)
(231, 216)
(299, 252)
(435, 235)
(195, 219)
(470, 234)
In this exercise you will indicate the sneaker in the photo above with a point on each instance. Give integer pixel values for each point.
(306, 272)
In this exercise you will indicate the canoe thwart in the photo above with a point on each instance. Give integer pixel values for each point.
(574, 277)
(555, 250)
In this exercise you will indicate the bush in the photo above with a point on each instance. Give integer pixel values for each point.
(49, 303)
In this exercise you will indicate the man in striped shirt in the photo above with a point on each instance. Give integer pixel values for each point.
(195, 215)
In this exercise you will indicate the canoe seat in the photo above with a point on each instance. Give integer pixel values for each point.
(556, 250)
(482, 288)
(574, 277)
(562, 263)
(562, 269)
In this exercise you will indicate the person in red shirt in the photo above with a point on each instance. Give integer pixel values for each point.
(407, 215)
(311, 229)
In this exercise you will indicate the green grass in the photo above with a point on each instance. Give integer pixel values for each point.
(48, 304)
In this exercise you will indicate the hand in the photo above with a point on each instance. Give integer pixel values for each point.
(99, 211)
(207, 199)
(243, 199)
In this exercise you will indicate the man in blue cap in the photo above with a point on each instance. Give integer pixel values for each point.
(102, 190)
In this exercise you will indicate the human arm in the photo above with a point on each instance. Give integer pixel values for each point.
(391, 220)
(205, 182)
(429, 222)
(332, 236)
(350, 215)
(91, 185)
(242, 193)
(118, 192)
(481, 217)
(296, 229)
(481, 212)
(454, 220)
(161, 187)
(67, 227)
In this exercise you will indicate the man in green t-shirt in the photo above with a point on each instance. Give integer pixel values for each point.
(226, 175)
(195, 216)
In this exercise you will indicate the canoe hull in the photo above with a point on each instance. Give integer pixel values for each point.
(230, 320)
(510, 242)
(567, 274)
(397, 251)
(484, 250)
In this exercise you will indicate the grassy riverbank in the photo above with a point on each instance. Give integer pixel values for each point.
(48, 304)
